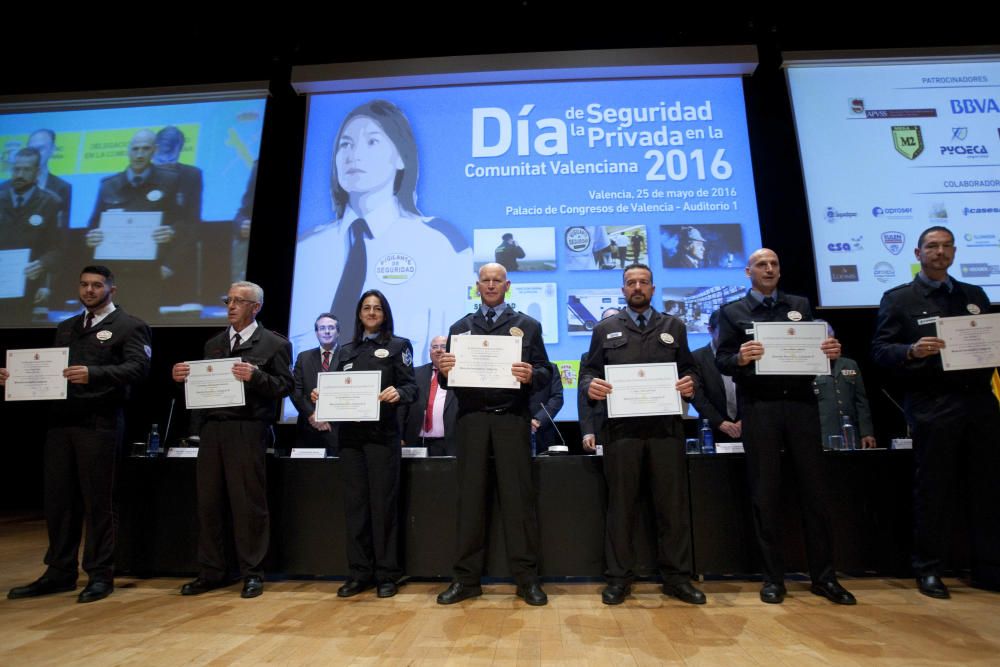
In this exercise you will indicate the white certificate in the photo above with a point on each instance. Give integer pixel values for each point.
(128, 235)
(643, 390)
(970, 341)
(36, 375)
(12, 265)
(349, 396)
(791, 348)
(484, 361)
(212, 384)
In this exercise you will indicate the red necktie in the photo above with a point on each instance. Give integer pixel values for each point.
(326, 360)
(429, 412)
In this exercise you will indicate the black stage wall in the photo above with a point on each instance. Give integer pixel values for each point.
(159, 48)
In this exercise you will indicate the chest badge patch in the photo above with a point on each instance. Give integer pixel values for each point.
(516, 331)
(382, 353)
(667, 338)
(154, 195)
(794, 315)
(35, 220)
(407, 357)
(349, 366)
(103, 335)
(614, 334)
(973, 308)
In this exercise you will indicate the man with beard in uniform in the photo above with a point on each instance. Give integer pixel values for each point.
(640, 335)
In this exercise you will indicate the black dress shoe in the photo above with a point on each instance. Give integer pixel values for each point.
(458, 592)
(199, 586)
(615, 593)
(773, 593)
(352, 587)
(96, 590)
(253, 586)
(533, 594)
(930, 585)
(685, 592)
(386, 589)
(41, 586)
(833, 591)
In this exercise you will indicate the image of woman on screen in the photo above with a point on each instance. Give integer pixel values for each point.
(370, 450)
(380, 239)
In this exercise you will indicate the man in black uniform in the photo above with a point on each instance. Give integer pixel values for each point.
(779, 411)
(233, 441)
(508, 252)
(30, 219)
(715, 397)
(309, 363)
(430, 420)
(640, 335)
(181, 253)
(108, 351)
(953, 417)
(143, 187)
(497, 421)
(44, 141)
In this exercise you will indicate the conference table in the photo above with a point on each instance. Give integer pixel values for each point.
(871, 512)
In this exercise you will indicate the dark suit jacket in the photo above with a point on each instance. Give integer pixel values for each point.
(64, 189)
(35, 225)
(710, 396)
(550, 395)
(272, 381)
(307, 366)
(532, 351)
(411, 417)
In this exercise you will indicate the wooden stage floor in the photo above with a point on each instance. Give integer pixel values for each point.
(146, 622)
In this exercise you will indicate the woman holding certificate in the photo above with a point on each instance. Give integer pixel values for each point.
(370, 449)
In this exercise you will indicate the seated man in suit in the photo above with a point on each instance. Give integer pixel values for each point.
(715, 397)
(546, 401)
(311, 433)
(430, 420)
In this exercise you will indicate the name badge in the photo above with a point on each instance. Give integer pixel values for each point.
(748, 332)
(516, 331)
(794, 315)
(973, 308)
(382, 353)
(103, 335)
(614, 334)
(848, 372)
(666, 338)
(927, 320)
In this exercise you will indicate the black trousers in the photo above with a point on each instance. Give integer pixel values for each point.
(625, 459)
(770, 425)
(79, 480)
(955, 440)
(508, 438)
(371, 493)
(232, 490)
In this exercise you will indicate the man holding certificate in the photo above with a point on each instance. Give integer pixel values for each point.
(108, 352)
(640, 364)
(952, 414)
(493, 356)
(234, 433)
(774, 381)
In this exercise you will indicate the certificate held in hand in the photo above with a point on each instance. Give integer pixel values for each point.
(791, 348)
(643, 390)
(349, 396)
(36, 375)
(211, 384)
(484, 361)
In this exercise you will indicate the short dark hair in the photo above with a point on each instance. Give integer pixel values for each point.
(44, 130)
(935, 228)
(321, 316)
(385, 331)
(394, 123)
(636, 265)
(28, 151)
(100, 270)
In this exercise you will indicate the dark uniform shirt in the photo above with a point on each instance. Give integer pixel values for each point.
(394, 358)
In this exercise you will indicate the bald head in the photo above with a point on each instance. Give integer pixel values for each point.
(764, 270)
(492, 283)
(141, 149)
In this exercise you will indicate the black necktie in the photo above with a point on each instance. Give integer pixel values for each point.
(353, 278)
(19, 201)
(641, 321)
(491, 315)
(768, 302)
(236, 342)
(136, 182)
(90, 321)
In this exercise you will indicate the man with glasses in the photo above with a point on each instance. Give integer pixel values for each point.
(430, 420)
(233, 442)
(308, 365)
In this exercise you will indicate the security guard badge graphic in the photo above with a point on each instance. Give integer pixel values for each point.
(908, 140)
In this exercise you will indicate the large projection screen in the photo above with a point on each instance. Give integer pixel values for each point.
(168, 179)
(583, 166)
(890, 146)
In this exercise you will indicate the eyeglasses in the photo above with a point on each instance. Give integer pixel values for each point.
(237, 300)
